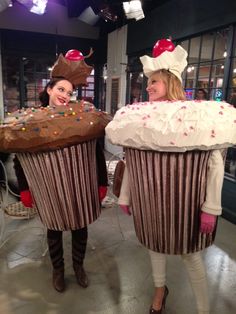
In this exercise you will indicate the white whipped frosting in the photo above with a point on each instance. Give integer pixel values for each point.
(174, 125)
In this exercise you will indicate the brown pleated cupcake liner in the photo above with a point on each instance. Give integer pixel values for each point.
(167, 191)
(64, 185)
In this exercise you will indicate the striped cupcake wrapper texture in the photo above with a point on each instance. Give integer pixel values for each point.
(167, 191)
(64, 185)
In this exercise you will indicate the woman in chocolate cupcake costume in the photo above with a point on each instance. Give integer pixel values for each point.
(66, 171)
(174, 169)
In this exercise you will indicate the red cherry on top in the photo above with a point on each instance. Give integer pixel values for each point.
(74, 55)
(161, 46)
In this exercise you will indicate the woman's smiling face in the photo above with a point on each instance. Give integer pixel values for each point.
(60, 93)
(156, 88)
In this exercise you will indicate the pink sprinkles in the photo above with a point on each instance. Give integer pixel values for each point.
(146, 117)
(213, 133)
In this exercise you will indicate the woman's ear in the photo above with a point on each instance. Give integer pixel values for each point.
(49, 90)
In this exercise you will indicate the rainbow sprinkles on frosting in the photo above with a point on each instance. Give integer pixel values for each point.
(50, 128)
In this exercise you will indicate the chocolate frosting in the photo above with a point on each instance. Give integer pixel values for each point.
(50, 128)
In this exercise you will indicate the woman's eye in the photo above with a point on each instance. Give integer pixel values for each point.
(70, 94)
(61, 89)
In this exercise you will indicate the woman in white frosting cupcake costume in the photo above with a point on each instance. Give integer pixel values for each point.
(174, 169)
(63, 166)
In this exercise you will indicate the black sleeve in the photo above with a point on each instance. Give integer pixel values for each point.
(22, 182)
(3, 158)
(101, 166)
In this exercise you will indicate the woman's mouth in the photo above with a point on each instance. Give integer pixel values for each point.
(62, 101)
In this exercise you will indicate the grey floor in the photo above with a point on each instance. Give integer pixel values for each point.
(118, 268)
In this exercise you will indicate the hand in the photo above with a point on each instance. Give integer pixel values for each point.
(102, 192)
(125, 209)
(208, 222)
(26, 198)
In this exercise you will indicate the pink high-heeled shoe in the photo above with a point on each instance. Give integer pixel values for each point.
(153, 311)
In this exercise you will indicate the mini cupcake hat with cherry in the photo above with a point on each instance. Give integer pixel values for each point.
(72, 67)
(165, 56)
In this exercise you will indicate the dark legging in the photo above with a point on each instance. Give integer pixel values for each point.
(55, 246)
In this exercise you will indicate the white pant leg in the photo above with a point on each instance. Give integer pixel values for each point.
(158, 262)
(197, 274)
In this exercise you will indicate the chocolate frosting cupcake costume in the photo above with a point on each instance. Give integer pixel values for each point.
(174, 162)
(57, 149)
(62, 161)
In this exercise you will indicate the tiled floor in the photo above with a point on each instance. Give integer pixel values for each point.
(118, 268)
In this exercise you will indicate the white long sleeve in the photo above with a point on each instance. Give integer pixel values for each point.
(215, 177)
(124, 198)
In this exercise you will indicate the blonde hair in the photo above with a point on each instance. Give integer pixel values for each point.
(174, 88)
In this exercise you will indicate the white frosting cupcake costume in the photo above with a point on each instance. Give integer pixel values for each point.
(174, 162)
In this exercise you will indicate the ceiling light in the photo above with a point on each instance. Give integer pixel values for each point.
(133, 10)
(39, 6)
(88, 16)
(35, 6)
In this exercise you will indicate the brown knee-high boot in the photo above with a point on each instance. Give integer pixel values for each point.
(79, 243)
(55, 247)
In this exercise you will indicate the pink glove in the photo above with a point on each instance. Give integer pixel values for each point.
(26, 198)
(125, 209)
(102, 192)
(208, 222)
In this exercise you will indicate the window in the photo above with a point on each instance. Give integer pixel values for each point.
(136, 83)
(191, 73)
(204, 75)
(87, 91)
(23, 79)
(207, 47)
(194, 50)
(206, 63)
(11, 95)
(232, 77)
(230, 163)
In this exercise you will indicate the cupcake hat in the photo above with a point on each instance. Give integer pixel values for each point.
(165, 56)
(72, 67)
